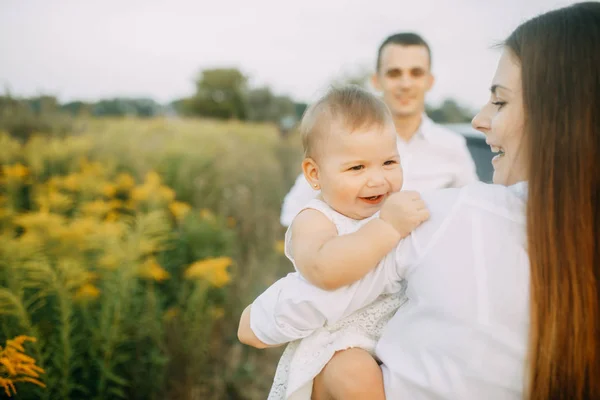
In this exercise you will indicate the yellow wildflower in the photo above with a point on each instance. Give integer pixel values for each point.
(231, 222)
(109, 261)
(141, 193)
(171, 314)
(15, 172)
(16, 366)
(87, 292)
(213, 270)
(153, 179)
(179, 209)
(98, 208)
(207, 215)
(116, 204)
(216, 313)
(71, 182)
(166, 193)
(109, 190)
(124, 182)
(151, 270)
(40, 220)
(280, 247)
(112, 216)
(55, 201)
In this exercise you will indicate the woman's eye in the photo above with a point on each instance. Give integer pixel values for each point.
(356, 168)
(499, 104)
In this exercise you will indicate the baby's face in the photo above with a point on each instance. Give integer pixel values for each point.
(359, 170)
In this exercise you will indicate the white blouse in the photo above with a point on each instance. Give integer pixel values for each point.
(463, 332)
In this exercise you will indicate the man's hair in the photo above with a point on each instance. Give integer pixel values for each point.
(349, 107)
(403, 39)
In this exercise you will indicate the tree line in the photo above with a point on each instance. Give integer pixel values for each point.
(221, 93)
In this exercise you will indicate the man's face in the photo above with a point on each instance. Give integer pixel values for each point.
(404, 77)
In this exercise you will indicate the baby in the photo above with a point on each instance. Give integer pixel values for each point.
(351, 156)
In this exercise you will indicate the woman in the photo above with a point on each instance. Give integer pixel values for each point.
(503, 279)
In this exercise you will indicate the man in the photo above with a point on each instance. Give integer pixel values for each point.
(432, 156)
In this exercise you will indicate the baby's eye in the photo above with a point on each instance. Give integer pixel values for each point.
(356, 168)
(390, 162)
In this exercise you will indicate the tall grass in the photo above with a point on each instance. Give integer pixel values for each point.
(130, 249)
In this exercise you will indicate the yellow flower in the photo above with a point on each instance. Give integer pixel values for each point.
(213, 270)
(207, 215)
(16, 366)
(71, 182)
(98, 208)
(44, 221)
(151, 270)
(216, 313)
(87, 292)
(166, 193)
(153, 179)
(124, 182)
(109, 261)
(112, 216)
(280, 247)
(141, 193)
(15, 172)
(55, 201)
(179, 209)
(109, 190)
(170, 314)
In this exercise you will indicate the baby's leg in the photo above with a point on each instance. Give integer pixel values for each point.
(350, 374)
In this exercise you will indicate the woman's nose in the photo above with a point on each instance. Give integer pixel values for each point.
(481, 122)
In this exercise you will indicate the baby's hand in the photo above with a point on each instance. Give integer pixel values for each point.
(405, 211)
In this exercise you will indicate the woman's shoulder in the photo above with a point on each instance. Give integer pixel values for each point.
(508, 201)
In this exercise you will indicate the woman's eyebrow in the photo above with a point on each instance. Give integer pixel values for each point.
(494, 88)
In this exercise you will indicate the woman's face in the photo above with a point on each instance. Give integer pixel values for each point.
(502, 122)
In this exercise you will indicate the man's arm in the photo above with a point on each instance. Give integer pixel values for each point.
(299, 195)
(330, 261)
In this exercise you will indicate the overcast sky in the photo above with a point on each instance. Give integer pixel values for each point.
(88, 49)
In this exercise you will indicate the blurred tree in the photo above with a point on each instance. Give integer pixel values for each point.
(220, 93)
(121, 107)
(263, 105)
(77, 108)
(449, 112)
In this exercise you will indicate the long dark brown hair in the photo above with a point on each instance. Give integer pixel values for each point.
(559, 54)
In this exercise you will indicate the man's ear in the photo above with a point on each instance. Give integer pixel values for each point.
(311, 172)
(431, 82)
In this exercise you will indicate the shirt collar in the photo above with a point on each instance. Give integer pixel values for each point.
(425, 129)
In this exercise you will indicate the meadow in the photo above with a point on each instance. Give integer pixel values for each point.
(129, 248)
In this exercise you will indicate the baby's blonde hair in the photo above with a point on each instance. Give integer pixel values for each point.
(349, 106)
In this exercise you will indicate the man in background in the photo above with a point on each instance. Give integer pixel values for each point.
(432, 156)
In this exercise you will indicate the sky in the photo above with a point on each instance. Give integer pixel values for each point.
(88, 50)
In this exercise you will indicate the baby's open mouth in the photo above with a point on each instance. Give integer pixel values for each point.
(373, 199)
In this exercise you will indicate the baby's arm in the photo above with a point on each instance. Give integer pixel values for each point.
(330, 261)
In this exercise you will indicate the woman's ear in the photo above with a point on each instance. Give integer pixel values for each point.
(311, 172)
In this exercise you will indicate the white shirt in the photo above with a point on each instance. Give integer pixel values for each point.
(463, 332)
(434, 158)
